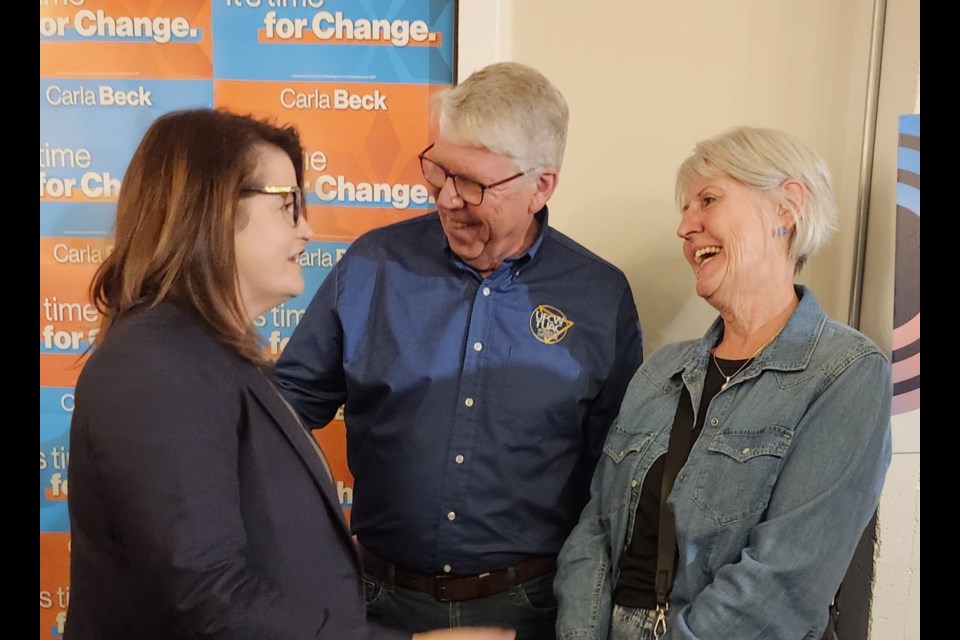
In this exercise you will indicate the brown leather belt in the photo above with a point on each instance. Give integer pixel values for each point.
(454, 588)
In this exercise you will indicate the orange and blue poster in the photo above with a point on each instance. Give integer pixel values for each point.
(334, 41)
(125, 39)
(362, 169)
(354, 76)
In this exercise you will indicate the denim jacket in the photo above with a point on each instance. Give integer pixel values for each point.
(773, 499)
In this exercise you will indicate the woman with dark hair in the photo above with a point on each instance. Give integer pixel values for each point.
(200, 507)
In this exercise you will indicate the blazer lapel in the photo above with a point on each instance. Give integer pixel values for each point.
(289, 424)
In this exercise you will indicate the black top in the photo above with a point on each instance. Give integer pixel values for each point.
(638, 566)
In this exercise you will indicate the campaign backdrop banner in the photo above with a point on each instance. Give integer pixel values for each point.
(354, 76)
(334, 40)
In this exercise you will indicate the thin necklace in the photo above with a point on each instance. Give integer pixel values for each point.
(728, 378)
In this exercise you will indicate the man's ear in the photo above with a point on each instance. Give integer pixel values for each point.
(547, 179)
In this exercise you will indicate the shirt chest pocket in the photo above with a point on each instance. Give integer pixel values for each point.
(737, 471)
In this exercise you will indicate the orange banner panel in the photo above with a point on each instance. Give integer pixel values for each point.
(125, 39)
(54, 583)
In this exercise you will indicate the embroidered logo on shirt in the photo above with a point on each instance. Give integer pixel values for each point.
(548, 324)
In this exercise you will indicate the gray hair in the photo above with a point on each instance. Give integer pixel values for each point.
(510, 109)
(764, 159)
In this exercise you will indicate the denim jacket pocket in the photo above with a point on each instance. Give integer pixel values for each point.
(620, 444)
(621, 456)
(738, 470)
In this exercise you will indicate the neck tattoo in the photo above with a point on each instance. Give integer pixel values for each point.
(728, 378)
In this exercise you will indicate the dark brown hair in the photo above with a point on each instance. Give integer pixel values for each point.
(177, 214)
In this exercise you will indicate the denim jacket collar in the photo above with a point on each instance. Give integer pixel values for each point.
(789, 351)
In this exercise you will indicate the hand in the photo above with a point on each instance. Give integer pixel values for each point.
(467, 633)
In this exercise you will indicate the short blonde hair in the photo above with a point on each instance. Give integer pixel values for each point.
(764, 159)
(510, 109)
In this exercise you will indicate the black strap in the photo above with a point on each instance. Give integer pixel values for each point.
(677, 452)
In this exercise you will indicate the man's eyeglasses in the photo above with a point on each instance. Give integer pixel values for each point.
(469, 190)
(292, 200)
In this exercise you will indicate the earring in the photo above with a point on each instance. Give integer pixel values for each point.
(782, 232)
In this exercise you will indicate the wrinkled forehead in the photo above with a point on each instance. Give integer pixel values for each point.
(457, 155)
(694, 174)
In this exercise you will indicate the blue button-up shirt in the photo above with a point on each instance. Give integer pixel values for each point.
(476, 408)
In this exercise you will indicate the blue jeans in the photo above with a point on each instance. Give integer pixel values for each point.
(529, 607)
(632, 624)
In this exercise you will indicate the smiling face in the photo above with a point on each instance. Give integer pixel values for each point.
(735, 239)
(267, 244)
(503, 224)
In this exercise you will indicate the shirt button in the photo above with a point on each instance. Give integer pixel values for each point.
(477, 346)
(714, 422)
(447, 568)
(468, 402)
(486, 291)
(459, 459)
(451, 516)
(633, 483)
(745, 451)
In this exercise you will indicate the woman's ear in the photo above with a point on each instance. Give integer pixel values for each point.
(793, 201)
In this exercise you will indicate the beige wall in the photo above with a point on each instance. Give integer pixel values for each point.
(896, 602)
(645, 81)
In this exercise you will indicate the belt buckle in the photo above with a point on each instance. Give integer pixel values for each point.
(440, 588)
(478, 582)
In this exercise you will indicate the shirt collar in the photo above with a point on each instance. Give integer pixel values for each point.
(510, 264)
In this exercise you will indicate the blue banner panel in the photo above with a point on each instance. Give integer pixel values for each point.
(344, 40)
(56, 407)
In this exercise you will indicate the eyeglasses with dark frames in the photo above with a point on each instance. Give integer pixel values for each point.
(468, 189)
(292, 209)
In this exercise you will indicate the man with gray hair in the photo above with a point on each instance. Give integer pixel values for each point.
(481, 357)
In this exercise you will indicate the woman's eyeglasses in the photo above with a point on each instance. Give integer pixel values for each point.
(292, 200)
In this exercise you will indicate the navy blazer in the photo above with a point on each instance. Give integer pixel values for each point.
(198, 506)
